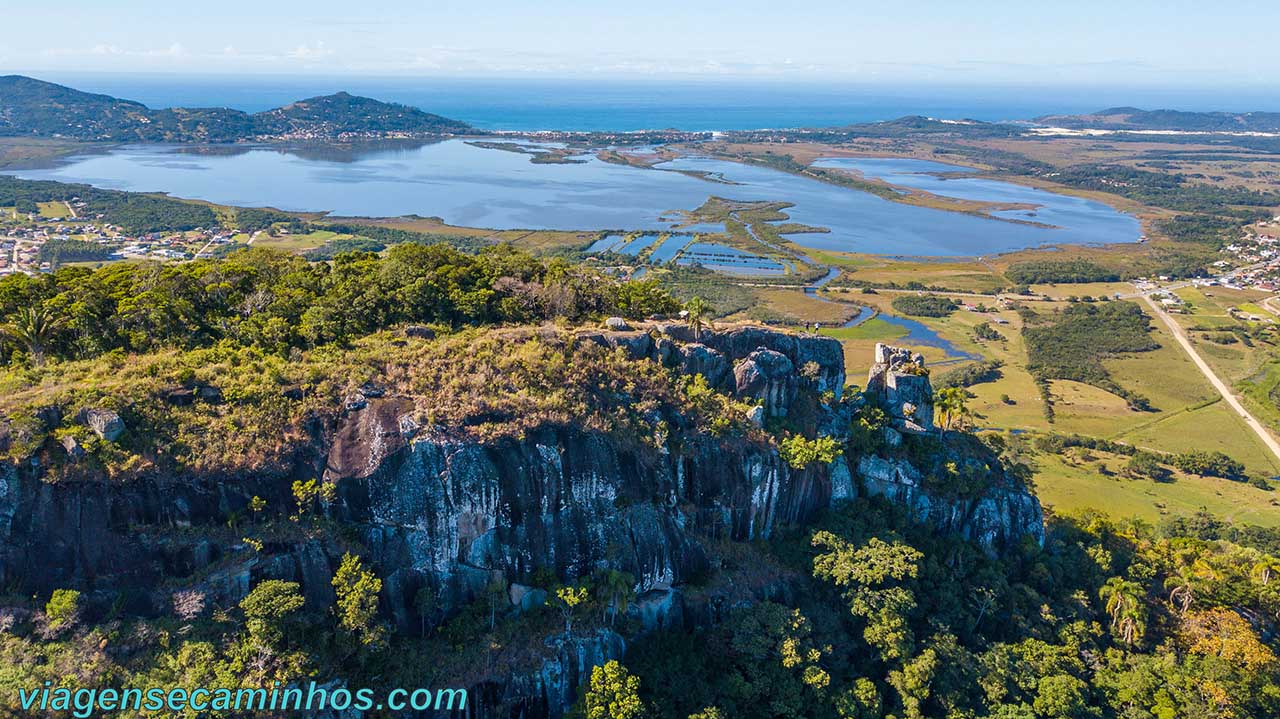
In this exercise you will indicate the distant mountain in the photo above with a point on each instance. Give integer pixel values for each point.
(1131, 118)
(30, 107)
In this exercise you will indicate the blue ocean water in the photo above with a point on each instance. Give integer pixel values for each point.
(595, 104)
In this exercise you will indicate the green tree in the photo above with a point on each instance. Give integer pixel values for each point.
(799, 452)
(1265, 569)
(569, 598)
(616, 588)
(1146, 464)
(914, 682)
(1061, 696)
(861, 701)
(952, 405)
(33, 328)
(612, 693)
(1188, 582)
(357, 600)
(496, 594)
(697, 314)
(268, 608)
(425, 602)
(873, 578)
(63, 609)
(307, 494)
(1124, 605)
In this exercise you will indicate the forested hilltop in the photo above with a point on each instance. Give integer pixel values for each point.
(1132, 118)
(34, 108)
(431, 467)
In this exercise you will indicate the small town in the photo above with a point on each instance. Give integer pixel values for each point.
(29, 241)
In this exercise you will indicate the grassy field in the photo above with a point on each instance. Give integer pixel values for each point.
(297, 243)
(956, 275)
(795, 307)
(1068, 484)
(532, 240)
(1083, 289)
(1254, 368)
(1189, 415)
(54, 210)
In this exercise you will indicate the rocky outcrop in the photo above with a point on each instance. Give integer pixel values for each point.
(432, 510)
(449, 513)
(767, 376)
(816, 363)
(103, 422)
(899, 382)
(552, 687)
(1000, 516)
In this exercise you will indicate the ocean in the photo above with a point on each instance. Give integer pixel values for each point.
(634, 104)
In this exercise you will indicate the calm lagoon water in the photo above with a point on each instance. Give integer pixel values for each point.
(471, 186)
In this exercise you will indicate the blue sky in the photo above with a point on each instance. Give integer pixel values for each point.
(1119, 42)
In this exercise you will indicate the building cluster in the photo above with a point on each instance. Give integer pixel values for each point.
(1255, 257)
(24, 236)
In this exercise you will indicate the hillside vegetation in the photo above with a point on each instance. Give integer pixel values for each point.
(30, 107)
(226, 368)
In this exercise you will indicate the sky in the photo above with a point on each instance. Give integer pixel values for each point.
(1118, 42)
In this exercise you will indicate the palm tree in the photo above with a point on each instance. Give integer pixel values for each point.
(1188, 582)
(953, 404)
(1132, 625)
(696, 313)
(33, 328)
(1265, 569)
(1182, 589)
(1124, 605)
(617, 590)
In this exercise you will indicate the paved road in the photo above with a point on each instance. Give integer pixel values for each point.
(1218, 384)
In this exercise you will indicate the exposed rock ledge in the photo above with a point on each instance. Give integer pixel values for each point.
(451, 514)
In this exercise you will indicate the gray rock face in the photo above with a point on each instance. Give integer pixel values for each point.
(565, 500)
(899, 382)
(617, 324)
(447, 514)
(767, 375)
(700, 359)
(999, 517)
(550, 690)
(72, 447)
(824, 352)
(103, 422)
(526, 598)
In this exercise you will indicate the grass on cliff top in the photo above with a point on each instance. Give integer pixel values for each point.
(479, 385)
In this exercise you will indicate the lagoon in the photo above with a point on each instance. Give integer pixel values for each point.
(472, 186)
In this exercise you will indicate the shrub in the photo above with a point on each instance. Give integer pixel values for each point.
(800, 452)
(63, 608)
(970, 375)
(1038, 272)
(1208, 464)
(1147, 464)
(924, 305)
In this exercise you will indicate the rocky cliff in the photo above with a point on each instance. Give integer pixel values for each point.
(433, 508)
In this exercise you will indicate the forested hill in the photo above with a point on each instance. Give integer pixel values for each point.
(30, 107)
(1131, 118)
